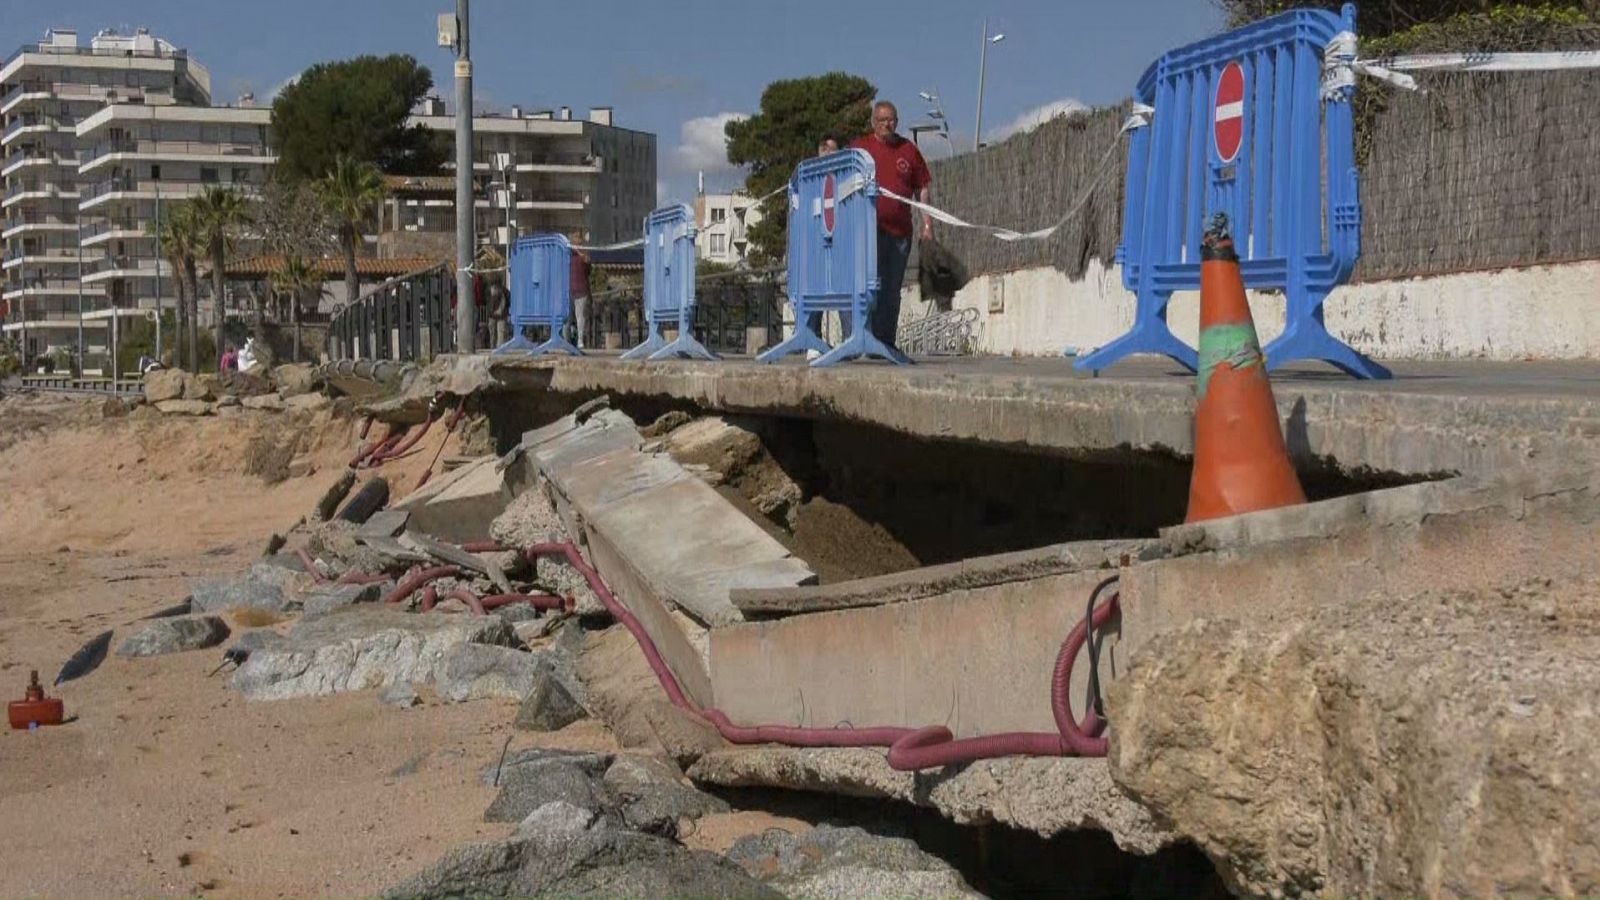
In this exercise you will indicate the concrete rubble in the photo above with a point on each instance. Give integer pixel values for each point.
(292, 387)
(828, 862)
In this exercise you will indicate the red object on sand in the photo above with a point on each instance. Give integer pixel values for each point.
(35, 708)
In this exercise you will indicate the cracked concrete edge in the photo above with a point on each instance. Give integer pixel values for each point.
(1044, 796)
(932, 581)
(1511, 494)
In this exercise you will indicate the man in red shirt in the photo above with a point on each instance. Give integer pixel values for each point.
(900, 168)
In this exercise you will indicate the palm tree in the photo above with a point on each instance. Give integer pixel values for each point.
(219, 213)
(180, 244)
(350, 192)
(296, 280)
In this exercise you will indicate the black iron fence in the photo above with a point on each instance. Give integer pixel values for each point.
(735, 312)
(409, 318)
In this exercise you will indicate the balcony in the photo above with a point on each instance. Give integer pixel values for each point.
(52, 256)
(45, 287)
(52, 50)
(118, 227)
(35, 190)
(554, 200)
(126, 188)
(23, 224)
(224, 151)
(107, 268)
(578, 163)
(44, 123)
(24, 159)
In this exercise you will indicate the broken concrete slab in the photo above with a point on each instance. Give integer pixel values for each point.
(457, 556)
(384, 523)
(1044, 796)
(175, 636)
(460, 506)
(166, 384)
(930, 581)
(362, 647)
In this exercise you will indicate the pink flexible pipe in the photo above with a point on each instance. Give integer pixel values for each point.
(909, 749)
(537, 601)
(310, 565)
(416, 579)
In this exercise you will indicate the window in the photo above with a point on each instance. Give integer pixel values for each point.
(719, 244)
(155, 173)
(240, 175)
(208, 175)
(718, 216)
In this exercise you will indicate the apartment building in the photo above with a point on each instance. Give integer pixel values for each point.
(546, 172)
(132, 161)
(724, 222)
(47, 90)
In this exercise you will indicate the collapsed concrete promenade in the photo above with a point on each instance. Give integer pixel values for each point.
(1433, 418)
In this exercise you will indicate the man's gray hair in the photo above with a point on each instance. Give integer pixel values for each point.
(882, 104)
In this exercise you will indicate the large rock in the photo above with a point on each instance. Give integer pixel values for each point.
(828, 862)
(534, 759)
(295, 379)
(307, 402)
(524, 789)
(265, 402)
(1440, 744)
(184, 408)
(654, 796)
(362, 647)
(264, 586)
(326, 598)
(166, 384)
(549, 704)
(594, 863)
(174, 636)
(473, 671)
(206, 386)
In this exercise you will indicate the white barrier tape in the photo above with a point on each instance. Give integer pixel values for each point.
(1140, 118)
(1340, 65)
(636, 242)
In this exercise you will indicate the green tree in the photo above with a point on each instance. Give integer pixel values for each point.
(219, 214)
(297, 280)
(358, 108)
(181, 245)
(350, 192)
(1435, 26)
(794, 115)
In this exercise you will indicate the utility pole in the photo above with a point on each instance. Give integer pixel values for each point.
(80, 312)
(983, 63)
(158, 270)
(466, 311)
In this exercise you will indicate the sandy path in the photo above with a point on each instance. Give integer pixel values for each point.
(166, 782)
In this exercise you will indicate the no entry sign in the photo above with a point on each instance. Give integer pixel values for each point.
(1228, 130)
(828, 204)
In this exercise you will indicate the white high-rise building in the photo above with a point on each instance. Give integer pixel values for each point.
(47, 90)
(724, 222)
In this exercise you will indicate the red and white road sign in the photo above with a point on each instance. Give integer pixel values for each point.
(828, 203)
(1228, 130)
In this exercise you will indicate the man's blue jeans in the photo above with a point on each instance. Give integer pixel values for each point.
(893, 253)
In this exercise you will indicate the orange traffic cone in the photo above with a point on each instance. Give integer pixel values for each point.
(1240, 461)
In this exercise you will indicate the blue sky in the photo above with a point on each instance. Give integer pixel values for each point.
(678, 69)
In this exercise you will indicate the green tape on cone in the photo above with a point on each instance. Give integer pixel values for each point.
(1232, 344)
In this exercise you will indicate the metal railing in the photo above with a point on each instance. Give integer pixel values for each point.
(101, 227)
(409, 318)
(242, 149)
(728, 307)
(96, 51)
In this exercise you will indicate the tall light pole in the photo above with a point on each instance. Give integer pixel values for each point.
(938, 116)
(983, 62)
(158, 269)
(466, 311)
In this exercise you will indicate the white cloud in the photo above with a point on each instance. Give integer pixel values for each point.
(278, 88)
(1035, 117)
(703, 144)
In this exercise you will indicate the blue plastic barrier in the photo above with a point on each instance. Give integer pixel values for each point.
(833, 256)
(541, 293)
(669, 296)
(1241, 126)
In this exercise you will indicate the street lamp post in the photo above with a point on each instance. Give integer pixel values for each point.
(455, 31)
(79, 224)
(983, 62)
(158, 270)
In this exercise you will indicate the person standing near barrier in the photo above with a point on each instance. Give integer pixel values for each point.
(828, 144)
(580, 295)
(900, 168)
